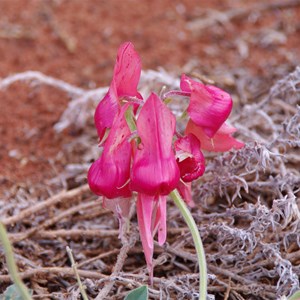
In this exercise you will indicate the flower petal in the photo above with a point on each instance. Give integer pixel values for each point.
(186, 83)
(185, 191)
(154, 169)
(120, 207)
(127, 70)
(125, 80)
(144, 207)
(209, 106)
(192, 166)
(109, 175)
(222, 140)
(160, 223)
(106, 111)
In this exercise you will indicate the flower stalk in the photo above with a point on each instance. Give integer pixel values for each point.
(197, 241)
(74, 267)
(11, 264)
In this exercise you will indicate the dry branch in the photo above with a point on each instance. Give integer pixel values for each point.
(64, 195)
(54, 271)
(38, 78)
(54, 220)
(76, 233)
(216, 17)
(249, 203)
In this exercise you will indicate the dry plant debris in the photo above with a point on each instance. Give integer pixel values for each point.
(247, 209)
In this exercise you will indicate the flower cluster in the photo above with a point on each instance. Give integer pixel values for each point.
(143, 153)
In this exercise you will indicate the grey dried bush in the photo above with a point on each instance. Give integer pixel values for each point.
(247, 202)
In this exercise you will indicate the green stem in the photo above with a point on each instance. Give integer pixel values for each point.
(295, 296)
(197, 241)
(11, 264)
(74, 266)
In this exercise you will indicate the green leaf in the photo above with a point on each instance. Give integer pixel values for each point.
(129, 116)
(168, 100)
(295, 296)
(12, 293)
(184, 115)
(140, 293)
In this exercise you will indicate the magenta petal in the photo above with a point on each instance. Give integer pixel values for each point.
(125, 80)
(119, 206)
(209, 106)
(227, 129)
(160, 223)
(186, 83)
(222, 140)
(127, 70)
(109, 175)
(144, 207)
(154, 169)
(185, 191)
(106, 111)
(190, 159)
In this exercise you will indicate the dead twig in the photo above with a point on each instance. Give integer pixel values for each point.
(229, 274)
(127, 244)
(228, 290)
(39, 78)
(100, 256)
(54, 271)
(64, 195)
(76, 233)
(16, 237)
(216, 17)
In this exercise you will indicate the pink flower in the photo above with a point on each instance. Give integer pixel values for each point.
(148, 165)
(189, 158)
(221, 141)
(209, 106)
(126, 76)
(109, 175)
(154, 169)
(154, 172)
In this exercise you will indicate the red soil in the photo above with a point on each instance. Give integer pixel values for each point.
(77, 41)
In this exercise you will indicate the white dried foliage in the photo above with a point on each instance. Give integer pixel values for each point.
(263, 181)
(250, 222)
(83, 102)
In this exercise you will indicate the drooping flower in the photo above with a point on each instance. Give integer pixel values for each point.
(189, 158)
(222, 141)
(155, 172)
(209, 106)
(125, 80)
(108, 176)
(208, 109)
(154, 169)
(191, 163)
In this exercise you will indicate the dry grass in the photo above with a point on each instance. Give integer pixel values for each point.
(247, 209)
